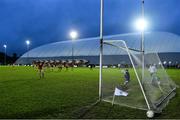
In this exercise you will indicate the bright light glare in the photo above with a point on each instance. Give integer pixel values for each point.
(27, 42)
(73, 34)
(5, 46)
(141, 24)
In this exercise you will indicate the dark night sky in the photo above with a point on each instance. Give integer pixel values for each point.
(46, 21)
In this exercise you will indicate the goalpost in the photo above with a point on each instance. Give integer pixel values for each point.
(125, 48)
(148, 91)
(101, 47)
(151, 93)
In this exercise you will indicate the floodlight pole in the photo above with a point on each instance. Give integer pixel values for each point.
(72, 53)
(5, 54)
(142, 40)
(101, 47)
(27, 50)
(143, 54)
(27, 53)
(73, 35)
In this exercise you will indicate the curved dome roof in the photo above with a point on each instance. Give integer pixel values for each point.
(159, 42)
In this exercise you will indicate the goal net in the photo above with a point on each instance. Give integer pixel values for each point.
(130, 84)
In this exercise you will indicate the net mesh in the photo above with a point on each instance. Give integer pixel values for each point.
(124, 76)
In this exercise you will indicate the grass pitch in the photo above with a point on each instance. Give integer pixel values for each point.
(64, 95)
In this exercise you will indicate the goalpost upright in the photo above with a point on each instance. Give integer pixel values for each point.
(101, 47)
(143, 55)
(142, 39)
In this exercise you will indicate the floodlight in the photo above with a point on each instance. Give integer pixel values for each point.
(73, 34)
(27, 42)
(5, 46)
(141, 24)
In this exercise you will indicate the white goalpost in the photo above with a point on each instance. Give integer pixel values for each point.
(146, 83)
(101, 47)
(151, 92)
(125, 48)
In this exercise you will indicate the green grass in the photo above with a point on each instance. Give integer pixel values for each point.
(64, 94)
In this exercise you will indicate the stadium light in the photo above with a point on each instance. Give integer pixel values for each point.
(141, 24)
(27, 42)
(73, 34)
(5, 46)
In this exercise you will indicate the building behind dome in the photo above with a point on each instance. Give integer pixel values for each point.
(164, 43)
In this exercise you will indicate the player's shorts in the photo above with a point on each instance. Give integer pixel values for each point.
(125, 82)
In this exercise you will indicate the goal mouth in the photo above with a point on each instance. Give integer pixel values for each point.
(150, 88)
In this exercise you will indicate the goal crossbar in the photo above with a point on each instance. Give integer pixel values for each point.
(109, 42)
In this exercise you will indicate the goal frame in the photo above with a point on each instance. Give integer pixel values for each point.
(126, 49)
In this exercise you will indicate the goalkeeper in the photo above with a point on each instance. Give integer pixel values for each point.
(126, 77)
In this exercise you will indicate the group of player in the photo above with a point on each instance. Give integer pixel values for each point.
(60, 64)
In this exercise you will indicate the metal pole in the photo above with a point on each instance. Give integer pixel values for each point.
(101, 48)
(143, 53)
(72, 53)
(4, 55)
(27, 53)
(142, 41)
(140, 83)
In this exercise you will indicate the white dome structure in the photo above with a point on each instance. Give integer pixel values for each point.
(164, 43)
